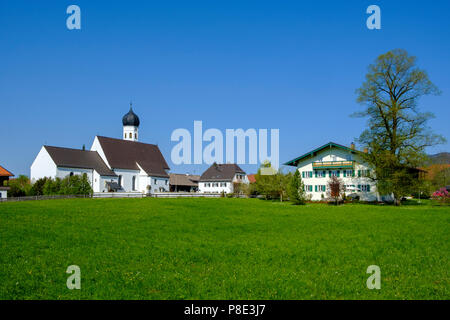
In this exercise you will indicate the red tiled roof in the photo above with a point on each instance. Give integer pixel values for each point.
(5, 173)
(251, 178)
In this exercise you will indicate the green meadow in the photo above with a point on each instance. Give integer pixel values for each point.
(222, 249)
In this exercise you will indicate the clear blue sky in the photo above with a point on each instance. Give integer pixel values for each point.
(232, 64)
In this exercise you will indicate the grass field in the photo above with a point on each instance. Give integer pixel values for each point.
(221, 249)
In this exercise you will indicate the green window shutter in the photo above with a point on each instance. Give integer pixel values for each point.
(329, 174)
(345, 173)
(310, 174)
(338, 173)
(359, 173)
(315, 188)
(353, 173)
(315, 173)
(368, 188)
(303, 174)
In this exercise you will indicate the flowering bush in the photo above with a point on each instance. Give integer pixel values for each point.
(441, 196)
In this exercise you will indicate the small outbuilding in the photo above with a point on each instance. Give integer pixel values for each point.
(183, 182)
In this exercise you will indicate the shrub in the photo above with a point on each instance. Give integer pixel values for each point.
(19, 187)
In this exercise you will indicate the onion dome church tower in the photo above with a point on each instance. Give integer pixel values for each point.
(130, 123)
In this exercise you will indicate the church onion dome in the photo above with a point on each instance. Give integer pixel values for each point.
(130, 119)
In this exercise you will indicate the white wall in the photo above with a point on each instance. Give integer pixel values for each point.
(42, 166)
(219, 186)
(97, 147)
(127, 179)
(160, 185)
(336, 154)
(134, 133)
(215, 187)
(62, 172)
(100, 182)
(3, 193)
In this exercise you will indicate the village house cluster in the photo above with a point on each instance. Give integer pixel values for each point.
(130, 166)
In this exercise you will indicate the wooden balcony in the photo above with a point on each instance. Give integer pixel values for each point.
(333, 165)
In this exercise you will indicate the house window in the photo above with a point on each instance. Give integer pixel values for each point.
(334, 173)
(320, 188)
(133, 183)
(166, 182)
(307, 174)
(154, 181)
(71, 174)
(348, 173)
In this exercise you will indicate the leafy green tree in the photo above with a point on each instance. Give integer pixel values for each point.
(397, 132)
(19, 187)
(272, 186)
(297, 192)
(37, 189)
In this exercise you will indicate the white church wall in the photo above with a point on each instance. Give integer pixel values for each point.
(43, 166)
(130, 133)
(97, 147)
(159, 184)
(62, 172)
(127, 179)
(100, 182)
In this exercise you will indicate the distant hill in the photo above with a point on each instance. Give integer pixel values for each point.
(440, 158)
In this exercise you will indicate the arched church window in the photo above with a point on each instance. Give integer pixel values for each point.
(133, 185)
(71, 174)
(120, 180)
(135, 136)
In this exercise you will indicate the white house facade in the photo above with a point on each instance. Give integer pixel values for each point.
(124, 165)
(221, 178)
(319, 165)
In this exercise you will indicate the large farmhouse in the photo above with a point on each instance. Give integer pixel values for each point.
(111, 164)
(332, 159)
(221, 178)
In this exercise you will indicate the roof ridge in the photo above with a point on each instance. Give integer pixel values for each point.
(67, 148)
(128, 141)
